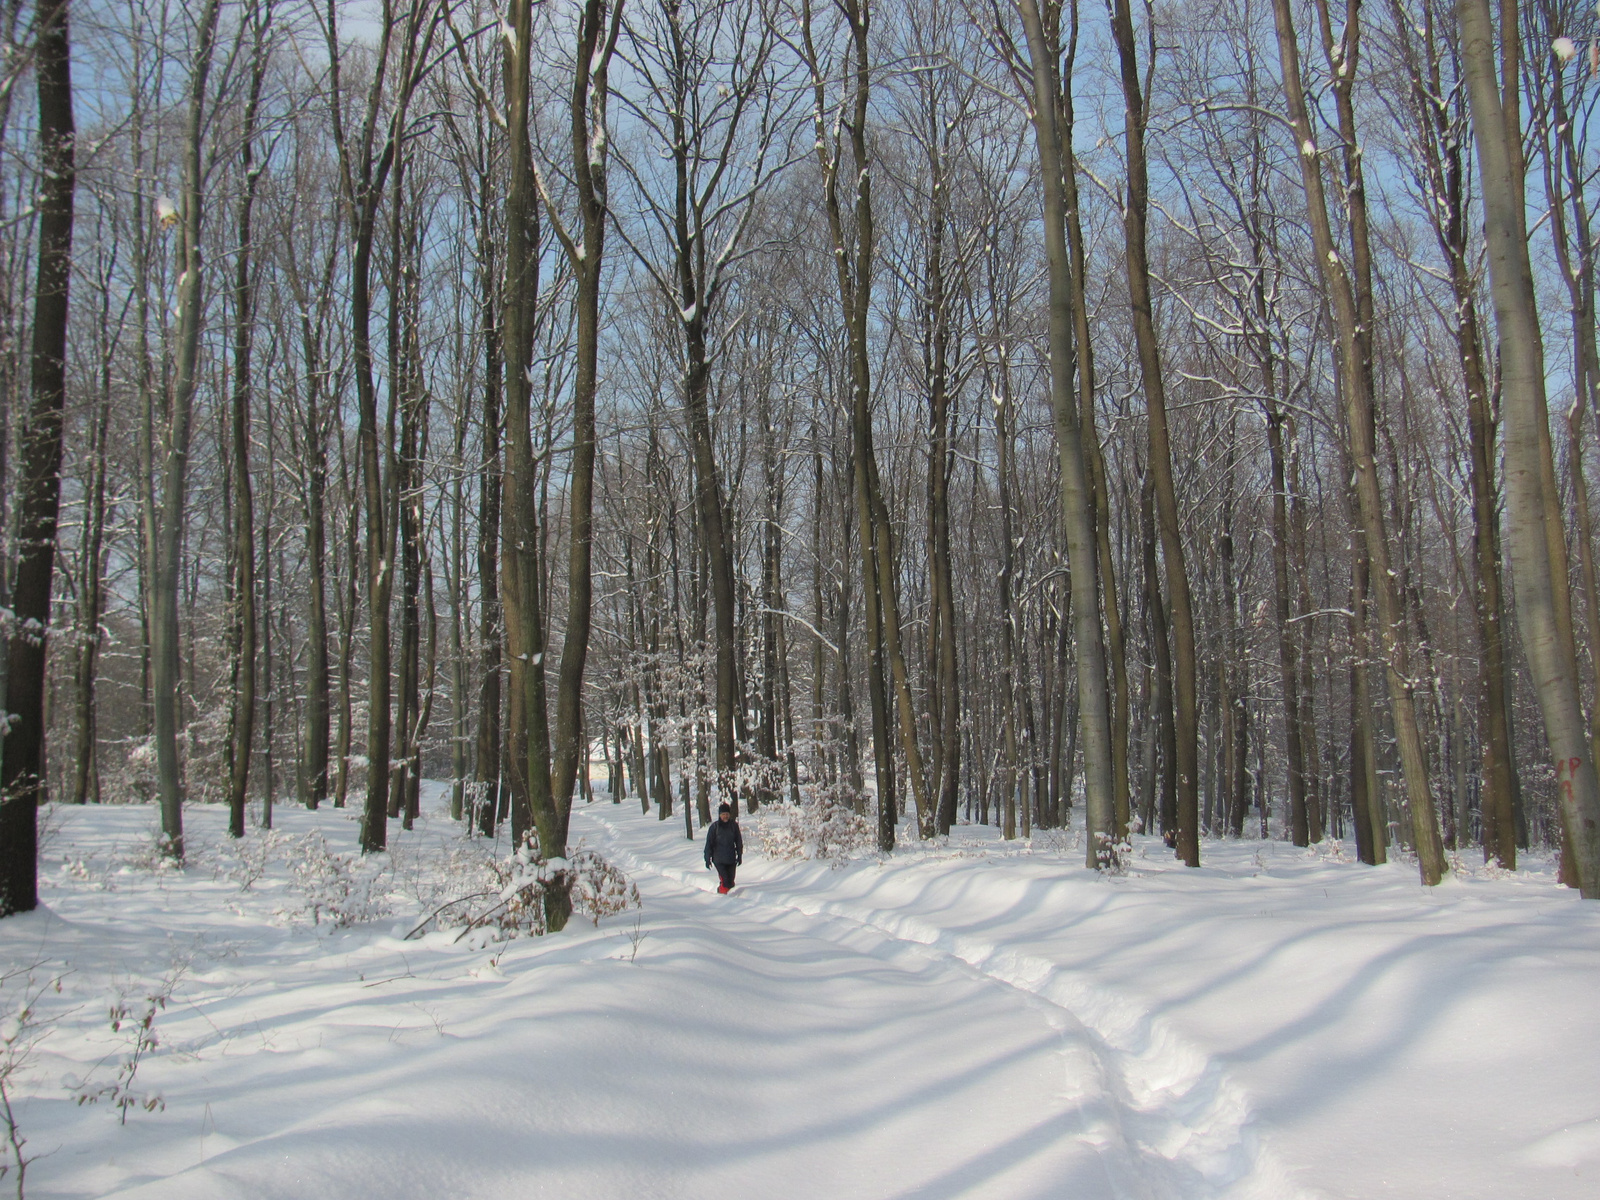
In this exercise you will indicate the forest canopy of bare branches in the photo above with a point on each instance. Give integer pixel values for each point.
(1174, 417)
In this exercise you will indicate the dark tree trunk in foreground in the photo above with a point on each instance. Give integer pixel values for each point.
(22, 754)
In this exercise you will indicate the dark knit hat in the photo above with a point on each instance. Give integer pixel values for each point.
(724, 808)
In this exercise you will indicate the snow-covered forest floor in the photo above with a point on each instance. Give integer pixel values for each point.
(977, 1019)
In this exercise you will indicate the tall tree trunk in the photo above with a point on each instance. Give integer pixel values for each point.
(1352, 312)
(365, 164)
(22, 753)
(456, 585)
(1008, 608)
(1135, 216)
(314, 771)
(1094, 458)
(242, 714)
(269, 691)
(487, 773)
(520, 535)
(348, 600)
(86, 770)
(1076, 496)
(944, 683)
(166, 685)
(1162, 734)
(598, 31)
(854, 283)
(1369, 811)
(1441, 117)
(715, 535)
(1540, 575)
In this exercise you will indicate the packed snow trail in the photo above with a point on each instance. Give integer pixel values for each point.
(736, 1055)
(1182, 1128)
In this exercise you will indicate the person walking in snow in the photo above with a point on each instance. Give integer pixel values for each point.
(724, 847)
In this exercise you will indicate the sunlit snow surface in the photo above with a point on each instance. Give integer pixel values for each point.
(978, 1019)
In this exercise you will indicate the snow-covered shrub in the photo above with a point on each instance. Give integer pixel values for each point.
(512, 903)
(254, 854)
(518, 907)
(431, 872)
(132, 1012)
(337, 889)
(21, 1030)
(134, 781)
(824, 825)
(599, 889)
(150, 853)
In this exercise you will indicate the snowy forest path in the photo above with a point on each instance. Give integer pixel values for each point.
(859, 1065)
(706, 1046)
(1169, 1122)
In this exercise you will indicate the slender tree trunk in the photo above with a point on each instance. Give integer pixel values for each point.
(520, 534)
(944, 690)
(1367, 802)
(597, 38)
(241, 719)
(854, 283)
(1163, 733)
(166, 684)
(86, 771)
(1134, 217)
(1353, 320)
(487, 774)
(269, 783)
(1082, 550)
(348, 601)
(314, 772)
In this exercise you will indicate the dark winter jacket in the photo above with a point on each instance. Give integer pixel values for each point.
(724, 842)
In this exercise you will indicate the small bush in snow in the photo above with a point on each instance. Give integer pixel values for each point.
(20, 1031)
(254, 855)
(518, 887)
(824, 825)
(337, 889)
(599, 889)
(135, 1019)
(134, 782)
(151, 853)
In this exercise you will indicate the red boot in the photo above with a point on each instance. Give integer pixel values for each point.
(722, 889)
